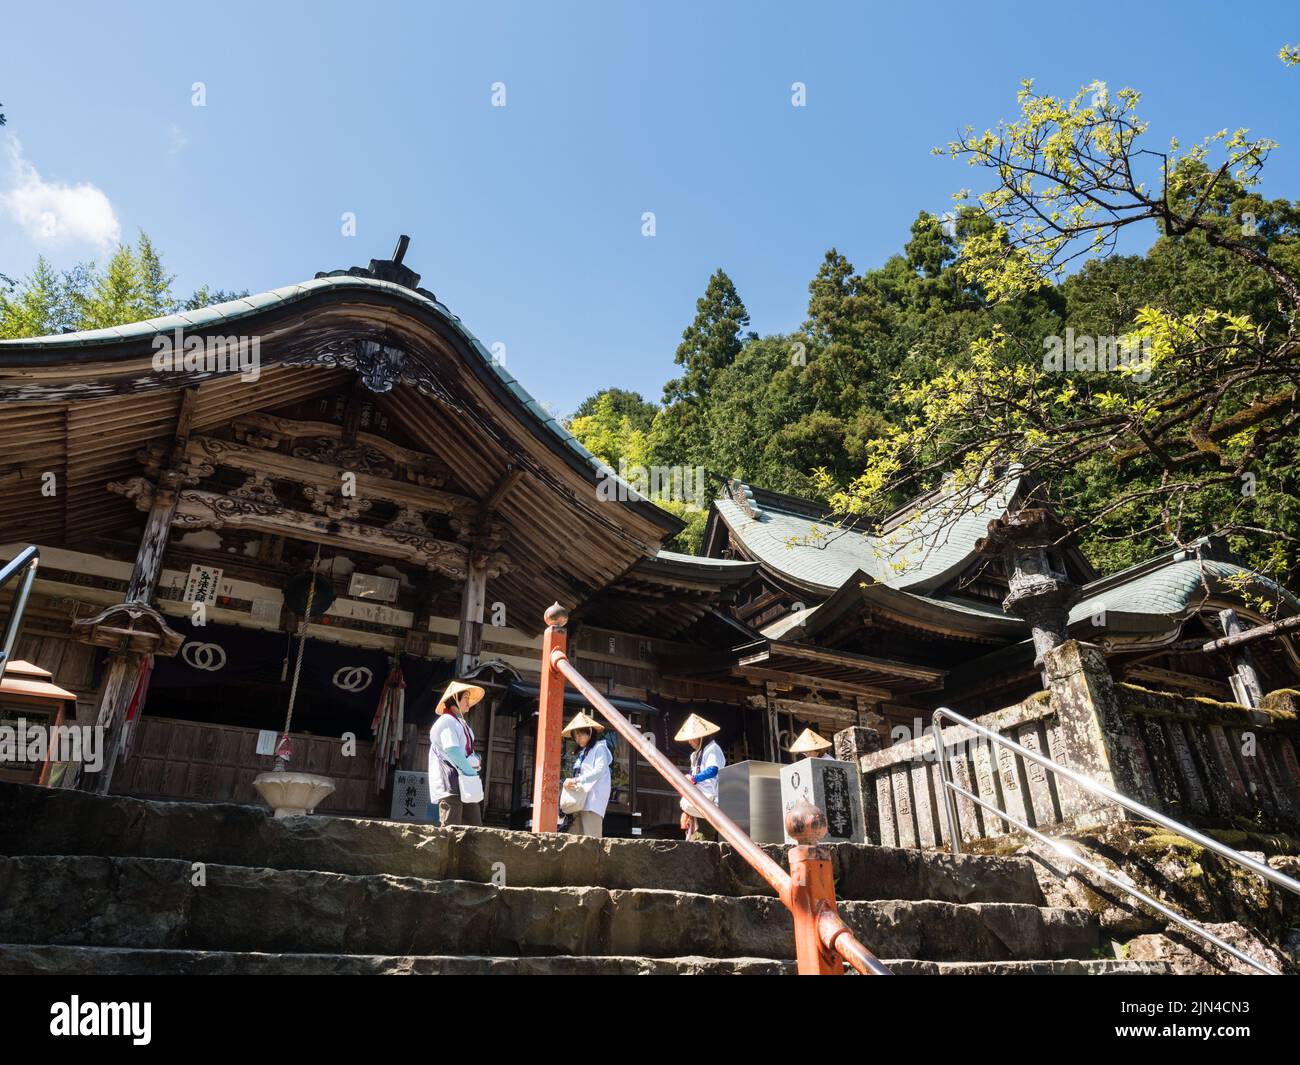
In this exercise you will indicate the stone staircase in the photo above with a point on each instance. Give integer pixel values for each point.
(92, 884)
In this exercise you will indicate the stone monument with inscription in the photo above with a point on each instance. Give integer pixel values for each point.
(834, 787)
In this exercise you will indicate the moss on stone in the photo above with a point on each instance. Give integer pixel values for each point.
(1151, 696)
(1281, 704)
(1249, 838)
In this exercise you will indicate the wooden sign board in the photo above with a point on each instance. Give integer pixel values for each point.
(202, 584)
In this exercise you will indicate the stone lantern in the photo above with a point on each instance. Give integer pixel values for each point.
(1032, 542)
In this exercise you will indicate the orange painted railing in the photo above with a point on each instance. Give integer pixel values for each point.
(823, 942)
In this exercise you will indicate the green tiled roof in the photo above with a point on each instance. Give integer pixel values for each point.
(1138, 601)
(921, 550)
(1153, 597)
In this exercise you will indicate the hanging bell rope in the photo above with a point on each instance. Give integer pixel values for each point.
(297, 669)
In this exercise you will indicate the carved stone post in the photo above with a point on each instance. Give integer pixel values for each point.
(1031, 542)
(850, 745)
(1097, 738)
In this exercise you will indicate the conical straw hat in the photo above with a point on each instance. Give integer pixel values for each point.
(809, 741)
(695, 728)
(582, 721)
(455, 688)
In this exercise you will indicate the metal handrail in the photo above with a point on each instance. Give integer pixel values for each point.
(1065, 851)
(25, 562)
(833, 933)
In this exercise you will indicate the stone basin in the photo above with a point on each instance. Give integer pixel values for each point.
(292, 794)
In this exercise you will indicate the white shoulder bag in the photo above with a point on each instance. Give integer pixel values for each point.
(471, 788)
(572, 799)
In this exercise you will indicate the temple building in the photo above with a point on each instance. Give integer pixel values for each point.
(194, 482)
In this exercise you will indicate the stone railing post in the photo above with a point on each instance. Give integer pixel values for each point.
(1097, 737)
(849, 745)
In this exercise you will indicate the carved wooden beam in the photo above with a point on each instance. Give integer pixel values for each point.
(204, 453)
(197, 509)
(134, 627)
(499, 491)
(782, 678)
(267, 430)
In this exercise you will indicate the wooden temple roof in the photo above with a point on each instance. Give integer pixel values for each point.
(90, 408)
(920, 548)
(667, 593)
(917, 592)
(87, 406)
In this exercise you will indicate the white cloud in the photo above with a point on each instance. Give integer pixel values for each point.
(52, 213)
(177, 141)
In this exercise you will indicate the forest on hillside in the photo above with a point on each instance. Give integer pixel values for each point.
(1151, 398)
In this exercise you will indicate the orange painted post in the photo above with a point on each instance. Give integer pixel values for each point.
(812, 890)
(550, 719)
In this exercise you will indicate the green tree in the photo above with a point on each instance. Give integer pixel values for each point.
(134, 286)
(615, 427)
(1177, 438)
(711, 342)
(45, 303)
(632, 405)
(709, 345)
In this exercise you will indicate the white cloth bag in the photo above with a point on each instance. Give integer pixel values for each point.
(573, 799)
(471, 788)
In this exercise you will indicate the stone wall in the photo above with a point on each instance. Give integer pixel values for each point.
(1206, 763)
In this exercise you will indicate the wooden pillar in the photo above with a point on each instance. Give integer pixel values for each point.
(550, 720)
(771, 728)
(469, 641)
(148, 558)
(1245, 680)
(123, 666)
(490, 706)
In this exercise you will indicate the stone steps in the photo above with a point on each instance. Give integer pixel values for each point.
(37, 960)
(116, 885)
(152, 902)
(40, 821)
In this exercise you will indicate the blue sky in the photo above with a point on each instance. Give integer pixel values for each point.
(526, 220)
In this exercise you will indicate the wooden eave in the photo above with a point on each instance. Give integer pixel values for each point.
(84, 412)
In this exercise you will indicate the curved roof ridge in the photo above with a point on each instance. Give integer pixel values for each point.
(821, 553)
